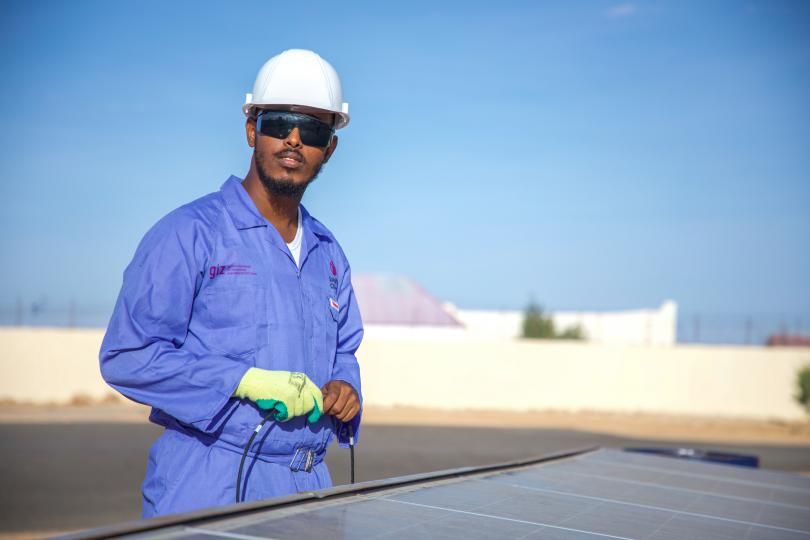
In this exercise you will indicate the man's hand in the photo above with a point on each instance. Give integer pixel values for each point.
(289, 393)
(340, 400)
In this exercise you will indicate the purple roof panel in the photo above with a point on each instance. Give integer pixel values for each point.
(391, 299)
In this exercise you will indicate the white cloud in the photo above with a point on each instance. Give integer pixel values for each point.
(621, 10)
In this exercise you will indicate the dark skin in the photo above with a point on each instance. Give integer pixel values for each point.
(297, 163)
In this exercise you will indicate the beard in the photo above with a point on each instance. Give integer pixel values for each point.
(280, 186)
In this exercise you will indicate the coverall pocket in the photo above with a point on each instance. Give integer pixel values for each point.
(230, 316)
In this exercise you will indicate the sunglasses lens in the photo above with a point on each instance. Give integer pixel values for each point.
(275, 128)
(279, 124)
(316, 134)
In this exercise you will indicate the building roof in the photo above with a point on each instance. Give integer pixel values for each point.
(788, 340)
(394, 299)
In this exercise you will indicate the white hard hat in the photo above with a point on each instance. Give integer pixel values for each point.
(301, 78)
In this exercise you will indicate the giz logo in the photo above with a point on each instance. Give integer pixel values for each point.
(215, 271)
(230, 270)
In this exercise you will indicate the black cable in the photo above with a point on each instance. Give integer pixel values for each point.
(253, 437)
(351, 451)
(245, 453)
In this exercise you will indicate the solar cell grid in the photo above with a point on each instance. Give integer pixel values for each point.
(688, 493)
(659, 497)
(596, 495)
(775, 479)
(701, 482)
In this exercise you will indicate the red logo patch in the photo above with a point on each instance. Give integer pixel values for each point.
(332, 268)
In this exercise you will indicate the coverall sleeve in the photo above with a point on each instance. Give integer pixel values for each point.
(350, 334)
(142, 355)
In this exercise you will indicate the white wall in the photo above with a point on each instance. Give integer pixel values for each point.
(45, 365)
(630, 327)
(386, 332)
(745, 382)
(53, 365)
(489, 324)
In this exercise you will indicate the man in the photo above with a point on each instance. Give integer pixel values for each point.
(239, 306)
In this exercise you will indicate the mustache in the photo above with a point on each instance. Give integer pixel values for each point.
(294, 154)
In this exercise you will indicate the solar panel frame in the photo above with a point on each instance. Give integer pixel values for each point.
(585, 494)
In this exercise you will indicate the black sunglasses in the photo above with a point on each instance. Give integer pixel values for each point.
(279, 124)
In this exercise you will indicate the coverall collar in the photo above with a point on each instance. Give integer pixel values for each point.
(243, 211)
(245, 215)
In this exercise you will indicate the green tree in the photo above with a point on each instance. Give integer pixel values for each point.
(536, 324)
(803, 382)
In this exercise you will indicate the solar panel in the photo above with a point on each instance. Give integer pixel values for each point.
(590, 495)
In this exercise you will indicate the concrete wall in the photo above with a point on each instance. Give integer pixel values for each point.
(523, 375)
(630, 327)
(44, 365)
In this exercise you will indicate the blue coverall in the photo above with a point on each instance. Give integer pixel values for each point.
(211, 291)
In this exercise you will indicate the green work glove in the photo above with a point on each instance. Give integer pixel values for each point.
(289, 393)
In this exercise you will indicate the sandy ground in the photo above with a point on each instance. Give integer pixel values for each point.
(646, 426)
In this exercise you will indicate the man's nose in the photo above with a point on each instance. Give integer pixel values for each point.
(294, 138)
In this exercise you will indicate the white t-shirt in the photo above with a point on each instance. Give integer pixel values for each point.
(295, 245)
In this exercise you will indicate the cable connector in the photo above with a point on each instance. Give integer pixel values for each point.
(351, 452)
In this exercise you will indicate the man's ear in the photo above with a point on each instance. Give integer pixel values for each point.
(250, 132)
(330, 149)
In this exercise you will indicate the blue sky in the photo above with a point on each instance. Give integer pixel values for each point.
(593, 155)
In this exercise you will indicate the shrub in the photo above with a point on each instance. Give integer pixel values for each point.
(536, 324)
(572, 332)
(803, 382)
